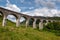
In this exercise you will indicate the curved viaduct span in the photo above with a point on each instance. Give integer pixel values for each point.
(6, 12)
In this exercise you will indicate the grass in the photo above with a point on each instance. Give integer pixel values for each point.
(10, 32)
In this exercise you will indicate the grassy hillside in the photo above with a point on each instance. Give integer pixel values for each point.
(10, 32)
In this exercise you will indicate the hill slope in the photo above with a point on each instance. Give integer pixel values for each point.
(10, 32)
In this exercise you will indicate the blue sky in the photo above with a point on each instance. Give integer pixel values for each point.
(29, 5)
(33, 7)
(25, 5)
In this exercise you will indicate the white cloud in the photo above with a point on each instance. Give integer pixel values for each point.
(31, 8)
(22, 1)
(43, 12)
(46, 12)
(13, 7)
(8, 1)
(46, 3)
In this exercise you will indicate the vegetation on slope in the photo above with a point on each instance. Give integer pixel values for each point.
(10, 32)
(53, 27)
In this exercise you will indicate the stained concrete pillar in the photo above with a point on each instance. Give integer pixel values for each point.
(18, 21)
(27, 22)
(41, 25)
(34, 23)
(4, 20)
(51, 20)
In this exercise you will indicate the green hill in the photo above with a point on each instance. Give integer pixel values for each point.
(11, 32)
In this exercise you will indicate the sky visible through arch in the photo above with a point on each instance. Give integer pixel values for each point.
(33, 7)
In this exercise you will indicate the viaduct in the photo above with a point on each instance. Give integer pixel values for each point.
(6, 12)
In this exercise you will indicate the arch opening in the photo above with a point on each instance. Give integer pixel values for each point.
(31, 21)
(1, 17)
(1, 13)
(37, 23)
(23, 21)
(24, 18)
(44, 21)
(11, 19)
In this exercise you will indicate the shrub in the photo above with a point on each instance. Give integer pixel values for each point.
(53, 27)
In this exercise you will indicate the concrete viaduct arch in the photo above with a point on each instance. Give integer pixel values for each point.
(6, 12)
